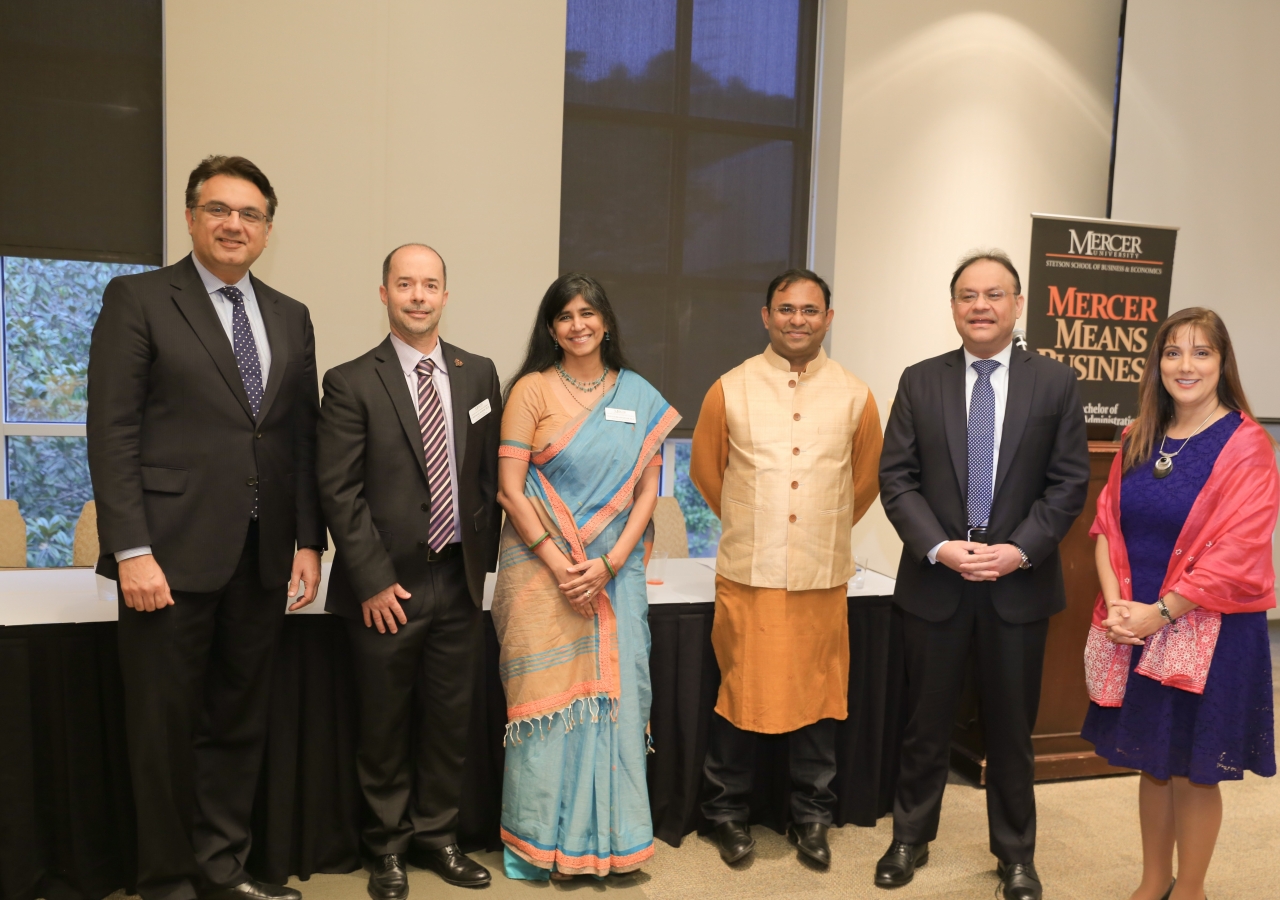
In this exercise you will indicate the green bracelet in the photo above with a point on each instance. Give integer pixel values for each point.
(613, 573)
(545, 535)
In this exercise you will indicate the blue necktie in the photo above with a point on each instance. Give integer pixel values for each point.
(982, 442)
(247, 361)
(245, 348)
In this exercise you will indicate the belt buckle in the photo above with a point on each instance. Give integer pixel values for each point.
(969, 534)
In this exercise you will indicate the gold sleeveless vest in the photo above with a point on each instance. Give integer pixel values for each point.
(787, 503)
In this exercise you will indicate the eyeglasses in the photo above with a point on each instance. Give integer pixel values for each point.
(222, 211)
(972, 296)
(809, 312)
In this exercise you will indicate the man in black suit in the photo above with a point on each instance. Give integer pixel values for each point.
(202, 417)
(985, 467)
(408, 463)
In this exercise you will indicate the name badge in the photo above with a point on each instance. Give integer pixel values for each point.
(620, 415)
(479, 411)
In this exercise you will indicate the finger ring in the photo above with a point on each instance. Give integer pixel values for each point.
(588, 594)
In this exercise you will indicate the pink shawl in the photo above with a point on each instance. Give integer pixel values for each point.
(1221, 562)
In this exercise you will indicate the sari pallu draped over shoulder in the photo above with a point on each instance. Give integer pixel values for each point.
(552, 658)
(1221, 562)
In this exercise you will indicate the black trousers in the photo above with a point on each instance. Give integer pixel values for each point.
(415, 689)
(731, 760)
(1009, 659)
(196, 691)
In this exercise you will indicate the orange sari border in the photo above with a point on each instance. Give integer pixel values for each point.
(622, 499)
(546, 859)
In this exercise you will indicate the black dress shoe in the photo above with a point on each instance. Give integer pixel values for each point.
(251, 889)
(451, 864)
(899, 863)
(810, 838)
(388, 879)
(1020, 881)
(1169, 893)
(734, 841)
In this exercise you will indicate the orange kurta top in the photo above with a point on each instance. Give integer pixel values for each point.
(783, 654)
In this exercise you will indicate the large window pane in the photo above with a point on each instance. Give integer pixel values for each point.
(50, 306)
(621, 53)
(744, 60)
(738, 206)
(700, 522)
(640, 305)
(717, 330)
(49, 477)
(615, 206)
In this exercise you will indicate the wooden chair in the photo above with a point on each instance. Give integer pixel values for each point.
(13, 536)
(84, 550)
(670, 532)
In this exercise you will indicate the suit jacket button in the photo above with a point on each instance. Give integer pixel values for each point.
(426, 508)
(252, 480)
(258, 435)
(422, 543)
(791, 518)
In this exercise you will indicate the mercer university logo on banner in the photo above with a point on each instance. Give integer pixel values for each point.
(1095, 243)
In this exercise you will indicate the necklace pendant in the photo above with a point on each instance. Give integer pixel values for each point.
(1163, 466)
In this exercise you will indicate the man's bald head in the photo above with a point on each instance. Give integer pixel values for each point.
(386, 263)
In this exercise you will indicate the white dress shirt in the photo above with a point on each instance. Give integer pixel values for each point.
(222, 306)
(1000, 385)
(409, 359)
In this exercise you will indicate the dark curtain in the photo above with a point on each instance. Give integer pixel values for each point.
(66, 811)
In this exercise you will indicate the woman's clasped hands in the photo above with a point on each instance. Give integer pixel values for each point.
(582, 584)
(1129, 622)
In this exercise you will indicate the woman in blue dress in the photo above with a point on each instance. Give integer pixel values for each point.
(1178, 660)
(578, 477)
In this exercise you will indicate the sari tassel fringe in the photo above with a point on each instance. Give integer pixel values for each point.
(571, 716)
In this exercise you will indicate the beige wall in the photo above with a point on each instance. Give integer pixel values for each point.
(381, 123)
(958, 120)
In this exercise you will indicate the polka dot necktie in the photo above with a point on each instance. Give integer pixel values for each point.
(982, 442)
(247, 361)
(435, 447)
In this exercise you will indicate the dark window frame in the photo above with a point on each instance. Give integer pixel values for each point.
(673, 285)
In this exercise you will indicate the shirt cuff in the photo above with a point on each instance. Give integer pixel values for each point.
(933, 554)
(122, 555)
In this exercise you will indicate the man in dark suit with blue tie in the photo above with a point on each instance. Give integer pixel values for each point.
(984, 469)
(201, 424)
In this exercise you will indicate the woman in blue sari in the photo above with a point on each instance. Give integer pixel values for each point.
(578, 478)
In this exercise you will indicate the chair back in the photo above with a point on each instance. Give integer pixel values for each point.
(670, 533)
(13, 536)
(84, 549)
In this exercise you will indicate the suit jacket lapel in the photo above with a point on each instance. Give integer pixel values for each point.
(277, 337)
(393, 380)
(953, 417)
(458, 392)
(196, 307)
(1022, 384)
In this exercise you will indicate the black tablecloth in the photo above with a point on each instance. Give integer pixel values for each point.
(66, 811)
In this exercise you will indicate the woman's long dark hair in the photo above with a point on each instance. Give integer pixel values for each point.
(543, 352)
(1155, 406)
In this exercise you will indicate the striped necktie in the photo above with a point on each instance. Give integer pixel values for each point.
(982, 442)
(435, 446)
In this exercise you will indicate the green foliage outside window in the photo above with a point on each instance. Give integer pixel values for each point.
(700, 522)
(49, 477)
(50, 307)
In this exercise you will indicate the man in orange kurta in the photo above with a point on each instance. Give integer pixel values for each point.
(786, 453)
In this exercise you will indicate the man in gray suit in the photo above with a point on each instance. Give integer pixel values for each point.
(408, 469)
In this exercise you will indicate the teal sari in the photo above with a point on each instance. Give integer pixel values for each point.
(574, 796)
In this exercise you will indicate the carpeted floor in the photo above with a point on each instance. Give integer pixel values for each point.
(1087, 849)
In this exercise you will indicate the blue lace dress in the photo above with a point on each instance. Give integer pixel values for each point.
(1164, 731)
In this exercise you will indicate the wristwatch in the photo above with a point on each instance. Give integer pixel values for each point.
(1026, 560)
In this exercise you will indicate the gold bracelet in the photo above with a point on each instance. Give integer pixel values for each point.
(545, 535)
(613, 573)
